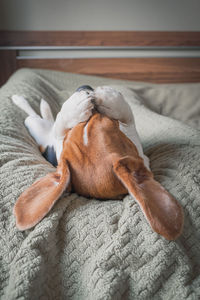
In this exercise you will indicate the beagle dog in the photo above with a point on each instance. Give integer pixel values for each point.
(97, 151)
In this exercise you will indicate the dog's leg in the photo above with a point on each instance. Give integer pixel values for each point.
(78, 108)
(22, 103)
(45, 111)
(48, 134)
(111, 103)
(41, 129)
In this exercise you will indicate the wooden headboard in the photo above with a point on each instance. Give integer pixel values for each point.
(178, 61)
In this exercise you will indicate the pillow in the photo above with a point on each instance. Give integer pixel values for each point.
(179, 101)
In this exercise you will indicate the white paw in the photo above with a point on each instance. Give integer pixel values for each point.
(78, 108)
(45, 111)
(22, 103)
(111, 103)
(18, 100)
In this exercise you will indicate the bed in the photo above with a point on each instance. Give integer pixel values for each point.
(87, 248)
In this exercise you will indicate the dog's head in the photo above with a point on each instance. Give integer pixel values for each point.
(99, 161)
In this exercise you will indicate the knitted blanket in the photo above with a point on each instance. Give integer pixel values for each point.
(92, 249)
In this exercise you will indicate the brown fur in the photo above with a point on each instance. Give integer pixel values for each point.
(35, 202)
(108, 167)
(162, 211)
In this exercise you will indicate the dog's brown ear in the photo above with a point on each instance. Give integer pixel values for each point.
(162, 211)
(35, 202)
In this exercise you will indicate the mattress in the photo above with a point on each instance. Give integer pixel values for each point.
(92, 249)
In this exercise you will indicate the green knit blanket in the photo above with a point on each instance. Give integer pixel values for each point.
(92, 249)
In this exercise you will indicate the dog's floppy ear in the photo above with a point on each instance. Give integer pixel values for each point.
(162, 211)
(35, 202)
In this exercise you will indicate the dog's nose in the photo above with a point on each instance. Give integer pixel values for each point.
(85, 87)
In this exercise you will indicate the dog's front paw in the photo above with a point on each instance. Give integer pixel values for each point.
(111, 103)
(78, 108)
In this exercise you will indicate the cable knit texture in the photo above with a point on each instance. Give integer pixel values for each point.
(91, 249)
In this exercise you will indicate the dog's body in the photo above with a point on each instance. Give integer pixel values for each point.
(49, 134)
(95, 159)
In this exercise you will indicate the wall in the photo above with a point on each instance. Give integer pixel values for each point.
(170, 15)
(100, 15)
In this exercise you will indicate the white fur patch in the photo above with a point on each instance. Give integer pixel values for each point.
(85, 135)
(58, 146)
